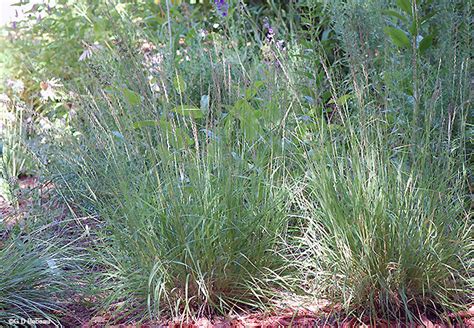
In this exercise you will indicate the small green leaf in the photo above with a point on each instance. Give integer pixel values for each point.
(326, 96)
(240, 109)
(395, 14)
(191, 111)
(342, 100)
(252, 91)
(404, 5)
(19, 4)
(413, 29)
(179, 84)
(100, 29)
(132, 97)
(425, 43)
(399, 38)
(251, 128)
(325, 35)
(427, 17)
(258, 84)
(141, 124)
(109, 90)
(271, 113)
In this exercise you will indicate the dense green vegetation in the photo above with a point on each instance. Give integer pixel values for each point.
(217, 158)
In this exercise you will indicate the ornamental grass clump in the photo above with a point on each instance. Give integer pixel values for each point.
(384, 238)
(32, 279)
(190, 211)
(188, 237)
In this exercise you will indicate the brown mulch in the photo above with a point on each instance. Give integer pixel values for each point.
(29, 194)
(319, 316)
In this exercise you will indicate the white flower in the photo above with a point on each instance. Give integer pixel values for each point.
(121, 8)
(156, 60)
(155, 87)
(89, 51)
(47, 89)
(10, 117)
(45, 124)
(48, 94)
(16, 85)
(202, 33)
(54, 82)
(152, 62)
(4, 98)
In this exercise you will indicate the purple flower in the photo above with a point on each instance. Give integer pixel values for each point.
(270, 33)
(266, 23)
(222, 7)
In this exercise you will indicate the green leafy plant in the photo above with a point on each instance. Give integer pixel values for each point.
(414, 20)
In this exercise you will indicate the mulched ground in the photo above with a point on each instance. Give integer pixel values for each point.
(286, 318)
(31, 193)
(31, 196)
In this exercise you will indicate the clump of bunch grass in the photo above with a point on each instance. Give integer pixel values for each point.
(387, 232)
(384, 237)
(31, 279)
(191, 212)
(191, 241)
